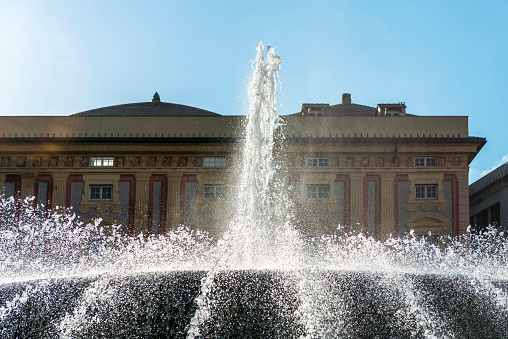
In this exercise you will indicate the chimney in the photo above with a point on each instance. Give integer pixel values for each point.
(346, 99)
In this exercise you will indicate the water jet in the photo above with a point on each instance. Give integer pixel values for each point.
(263, 278)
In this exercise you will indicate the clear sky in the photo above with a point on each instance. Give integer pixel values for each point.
(439, 57)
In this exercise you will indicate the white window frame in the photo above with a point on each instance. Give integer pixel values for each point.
(216, 162)
(104, 195)
(317, 162)
(102, 161)
(426, 192)
(214, 192)
(425, 162)
(318, 192)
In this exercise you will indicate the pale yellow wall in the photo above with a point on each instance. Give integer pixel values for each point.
(228, 126)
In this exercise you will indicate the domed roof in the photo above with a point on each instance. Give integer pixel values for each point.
(154, 108)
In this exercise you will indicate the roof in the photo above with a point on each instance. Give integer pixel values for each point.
(350, 110)
(148, 109)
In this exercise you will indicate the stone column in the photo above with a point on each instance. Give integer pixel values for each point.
(59, 189)
(141, 204)
(27, 185)
(356, 202)
(173, 201)
(387, 208)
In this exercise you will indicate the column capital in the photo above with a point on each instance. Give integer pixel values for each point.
(357, 176)
(172, 176)
(142, 176)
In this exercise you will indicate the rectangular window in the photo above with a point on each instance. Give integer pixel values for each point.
(426, 192)
(216, 162)
(318, 192)
(214, 192)
(101, 193)
(425, 162)
(317, 162)
(102, 161)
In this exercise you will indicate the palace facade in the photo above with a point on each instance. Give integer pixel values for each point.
(153, 166)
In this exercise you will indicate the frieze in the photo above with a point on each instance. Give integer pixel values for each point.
(379, 162)
(363, 161)
(197, 161)
(181, 162)
(133, 161)
(53, 162)
(394, 162)
(5, 162)
(407, 161)
(166, 162)
(119, 161)
(68, 161)
(82, 161)
(20, 161)
(151, 161)
(35, 162)
(349, 162)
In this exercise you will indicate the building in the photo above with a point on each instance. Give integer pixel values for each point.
(152, 166)
(488, 200)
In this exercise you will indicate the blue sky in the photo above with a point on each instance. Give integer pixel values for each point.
(439, 57)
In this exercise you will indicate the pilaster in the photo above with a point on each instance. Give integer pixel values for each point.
(141, 212)
(27, 184)
(387, 201)
(463, 206)
(173, 200)
(356, 202)
(59, 189)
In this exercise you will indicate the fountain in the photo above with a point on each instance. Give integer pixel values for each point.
(261, 279)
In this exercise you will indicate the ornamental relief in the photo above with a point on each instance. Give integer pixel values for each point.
(20, 161)
(5, 162)
(133, 161)
(151, 161)
(53, 162)
(34, 161)
(84, 161)
(423, 223)
(68, 161)
(197, 161)
(119, 161)
(181, 161)
(166, 162)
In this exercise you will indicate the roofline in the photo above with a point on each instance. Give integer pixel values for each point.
(346, 140)
(83, 113)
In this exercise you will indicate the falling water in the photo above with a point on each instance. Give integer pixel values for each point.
(60, 278)
(249, 243)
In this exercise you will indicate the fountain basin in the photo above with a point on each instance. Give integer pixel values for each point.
(252, 304)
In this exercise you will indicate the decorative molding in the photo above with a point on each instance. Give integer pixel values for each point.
(424, 223)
